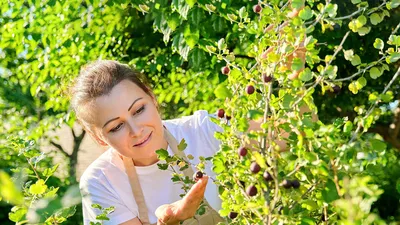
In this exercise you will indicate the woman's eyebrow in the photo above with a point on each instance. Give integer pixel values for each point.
(133, 103)
(118, 117)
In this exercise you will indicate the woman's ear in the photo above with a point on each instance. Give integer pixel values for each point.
(97, 138)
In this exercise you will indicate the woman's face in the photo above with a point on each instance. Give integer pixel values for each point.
(127, 119)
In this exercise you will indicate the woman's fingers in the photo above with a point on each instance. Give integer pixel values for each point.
(185, 208)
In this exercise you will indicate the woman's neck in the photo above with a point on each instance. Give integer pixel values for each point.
(151, 160)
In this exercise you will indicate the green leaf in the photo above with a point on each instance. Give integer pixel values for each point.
(330, 194)
(379, 44)
(191, 36)
(373, 96)
(173, 21)
(221, 44)
(361, 82)
(222, 91)
(162, 154)
(355, 1)
(378, 145)
(356, 60)
(349, 54)
(50, 171)
(196, 16)
(182, 145)
(38, 188)
(374, 72)
(353, 88)
(363, 30)
(97, 206)
(394, 57)
(102, 216)
(305, 75)
(218, 165)
(348, 127)
(191, 2)
(306, 13)
(375, 18)
(162, 166)
(242, 12)
(297, 4)
(309, 204)
(196, 58)
(331, 9)
(17, 213)
(297, 64)
(361, 20)
(394, 40)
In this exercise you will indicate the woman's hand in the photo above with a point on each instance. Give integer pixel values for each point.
(172, 214)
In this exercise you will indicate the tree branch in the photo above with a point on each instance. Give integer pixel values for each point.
(375, 104)
(60, 148)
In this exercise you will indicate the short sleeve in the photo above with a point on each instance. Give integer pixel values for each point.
(94, 192)
(208, 127)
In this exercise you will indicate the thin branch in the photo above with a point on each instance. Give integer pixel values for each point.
(59, 147)
(361, 71)
(320, 78)
(376, 9)
(375, 104)
(351, 15)
(320, 15)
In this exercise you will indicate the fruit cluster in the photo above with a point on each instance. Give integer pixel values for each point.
(255, 168)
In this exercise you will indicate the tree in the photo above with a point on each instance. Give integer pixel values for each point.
(349, 77)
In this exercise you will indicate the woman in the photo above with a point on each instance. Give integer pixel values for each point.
(119, 110)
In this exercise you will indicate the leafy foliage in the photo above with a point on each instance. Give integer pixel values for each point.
(340, 59)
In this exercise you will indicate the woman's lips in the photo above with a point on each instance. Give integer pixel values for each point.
(144, 142)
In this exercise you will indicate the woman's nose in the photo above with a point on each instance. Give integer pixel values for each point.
(135, 129)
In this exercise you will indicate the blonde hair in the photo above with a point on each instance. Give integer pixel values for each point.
(98, 79)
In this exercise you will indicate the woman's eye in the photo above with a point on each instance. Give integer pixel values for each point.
(116, 128)
(141, 109)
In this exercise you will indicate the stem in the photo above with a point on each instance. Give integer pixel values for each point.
(351, 15)
(375, 103)
(320, 78)
(320, 16)
(361, 71)
(335, 177)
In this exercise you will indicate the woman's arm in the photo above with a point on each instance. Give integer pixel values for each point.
(255, 126)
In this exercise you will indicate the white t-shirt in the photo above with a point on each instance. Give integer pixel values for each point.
(105, 181)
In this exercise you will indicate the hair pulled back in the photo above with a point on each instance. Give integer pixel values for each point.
(98, 79)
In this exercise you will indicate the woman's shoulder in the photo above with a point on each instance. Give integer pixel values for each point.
(199, 119)
(97, 170)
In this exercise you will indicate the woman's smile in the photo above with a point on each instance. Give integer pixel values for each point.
(144, 142)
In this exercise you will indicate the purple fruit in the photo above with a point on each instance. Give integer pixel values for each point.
(225, 70)
(267, 176)
(199, 175)
(266, 78)
(251, 190)
(257, 8)
(221, 113)
(254, 167)
(242, 151)
(233, 215)
(286, 184)
(295, 184)
(250, 89)
(336, 89)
